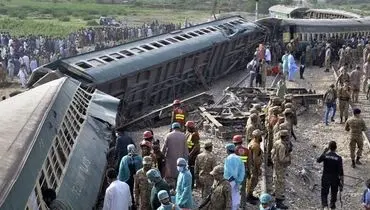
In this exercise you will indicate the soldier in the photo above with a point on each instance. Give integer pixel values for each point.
(204, 163)
(146, 148)
(243, 153)
(355, 78)
(251, 127)
(263, 72)
(343, 76)
(344, 95)
(142, 187)
(341, 54)
(356, 125)
(255, 162)
(288, 123)
(282, 159)
(158, 157)
(347, 56)
(277, 128)
(192, 140)
(327, 58)
(366, 72)
(271, 122)
(165, 200)
(220, 198)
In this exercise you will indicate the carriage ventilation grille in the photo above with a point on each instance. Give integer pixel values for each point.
(105, 59)
(56, 163)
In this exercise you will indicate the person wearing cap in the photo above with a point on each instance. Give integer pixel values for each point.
(254, 165)
(178, 114)
(355, 78)
(165, 200)
(343, 76)
(184, 197)
(154, 177)
(174, 147)
(281, 158)
(289, 122)
(142, 188)
(256, 111)
(332, 176)
(330, 98)
(192, 140)
(356, 125)
(220, 198)
(146, 147)
(122, 141)
(204, 163)
(266, 202)
(281, 88)
(272, 120)
(129, 165)
(278, 127)
(251, 127)
(234, 172)
(243, 153)
(148, 136)
(344, 95)
(117, 195)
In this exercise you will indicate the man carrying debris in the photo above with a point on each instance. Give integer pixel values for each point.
(332, 177)
(204, 164)
(243, 153)
(356, 125)
(254, 166)
(282, 159)
(192, 140)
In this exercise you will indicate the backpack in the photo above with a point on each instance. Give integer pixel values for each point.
(330, 96)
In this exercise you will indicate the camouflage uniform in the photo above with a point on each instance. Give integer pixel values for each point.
(355, 78)
(278, 127)
(344, 96)
(281, 158)
(204, 163)
(359, 51)
(341, 54)
(220, 198)
(272, 121)
(255, 161)
(142, 190)
(347, 55)
(365, 52)
(355, 125)
(343, 77)
(251, 127)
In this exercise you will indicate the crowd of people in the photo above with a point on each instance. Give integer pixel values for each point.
(19, 56)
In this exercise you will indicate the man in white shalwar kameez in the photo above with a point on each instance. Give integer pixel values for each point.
(117, 195)
(22, 74)
(292, 66)
(33, 64)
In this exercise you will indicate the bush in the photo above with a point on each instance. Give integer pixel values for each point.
(92, 23)
(3, 11)
(88, 17)
(65, 19)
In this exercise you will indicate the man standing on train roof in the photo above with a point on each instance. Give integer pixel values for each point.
(355, 78)
(174, 147)
(356, 125)
(192, 140)
(178, 114)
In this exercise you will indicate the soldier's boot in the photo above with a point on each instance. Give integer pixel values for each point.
(358, 161)
(251, 199)
(280, 204)
(341, 120)
(345, 119)
(353, 164)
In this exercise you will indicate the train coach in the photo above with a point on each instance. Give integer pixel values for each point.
(155, 70)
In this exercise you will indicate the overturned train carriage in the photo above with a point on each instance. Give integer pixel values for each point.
(155, 70)
(57, 139)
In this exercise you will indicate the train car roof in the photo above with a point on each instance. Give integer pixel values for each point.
(327, 22)
(124, 59)
(286, 9)
(334, 11)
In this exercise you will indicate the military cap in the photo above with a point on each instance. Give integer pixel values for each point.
(147, 160)
(256, 133)
(163, 194)
(356, 111)
(288, 111)
(208, 144)
(288, 105)
(283, 133)
(230, 147)
(217, 170)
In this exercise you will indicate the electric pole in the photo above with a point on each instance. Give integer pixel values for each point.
(256, 9)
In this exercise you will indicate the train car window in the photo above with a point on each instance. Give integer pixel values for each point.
(155, 44)
(179, 38)
(106, 58)
(211, 28)
(199, 32)
(172, 40)
(205, 30)
(146, 47)
(164, 42)
(126, 52)
(137, 50)
(117, 56)
(84, 65)
(95, 62)
(186, 36)
(193, 34)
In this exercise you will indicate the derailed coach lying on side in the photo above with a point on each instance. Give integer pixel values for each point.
(155, 70)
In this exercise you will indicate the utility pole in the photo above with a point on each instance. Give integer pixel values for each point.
(256, 9)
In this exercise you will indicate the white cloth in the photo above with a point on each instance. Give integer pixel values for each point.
(117, 196)
(33, 65)
(267, 54)
(22, 77)
(235, 196)
(26, 61)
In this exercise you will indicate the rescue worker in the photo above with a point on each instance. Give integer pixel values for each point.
(251, 127)
(174, 147)
(330, 98)
(282, 159)
(142, 187)
(220, 198)
(356, 125)
(255, 162)
(341, 54)
(204, 164)
(366, 72)
(192, 140)
(165, 200)
(178, 114)
(266, 202)
(148, 136)
(344, 95)
(184, 198)
(243, 153)
(154, 177)
(327, 58)
(332, 176)
(130, 164)
(355, 78)
(272, 121)
(343, 76)
(359, 51)
(158, 157)
(234, 172)
(146, 148)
